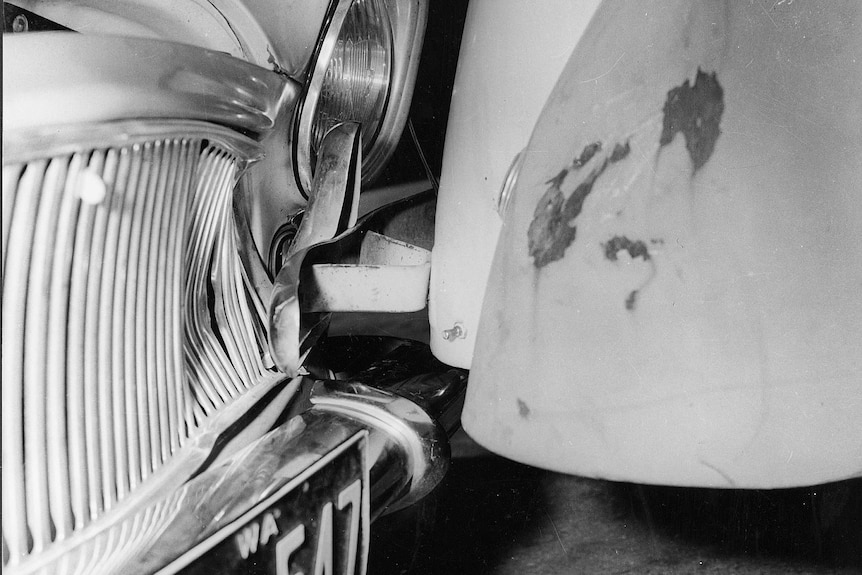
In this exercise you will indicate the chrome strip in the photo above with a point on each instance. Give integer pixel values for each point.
(17, 255)
(401, 426)
(58, 297)
(35, 336)
(134, 78)
(33, 143)
(334, 194)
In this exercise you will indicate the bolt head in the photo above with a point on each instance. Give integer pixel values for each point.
(20, 23)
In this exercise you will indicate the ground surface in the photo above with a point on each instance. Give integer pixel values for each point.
(493, 516)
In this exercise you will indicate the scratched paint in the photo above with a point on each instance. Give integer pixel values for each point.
(695, 111)
(552, 229)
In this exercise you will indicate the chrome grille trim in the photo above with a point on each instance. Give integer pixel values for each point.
(127, 328)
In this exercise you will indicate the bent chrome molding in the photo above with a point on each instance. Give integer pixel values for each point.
(331, 210)
(113, 78)
(412, 449)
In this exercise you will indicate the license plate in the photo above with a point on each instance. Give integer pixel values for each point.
(318, 523)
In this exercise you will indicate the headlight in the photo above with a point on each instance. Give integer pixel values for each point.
(356, 83)
(363, 71)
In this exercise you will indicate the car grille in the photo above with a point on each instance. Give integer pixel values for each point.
(126, 320)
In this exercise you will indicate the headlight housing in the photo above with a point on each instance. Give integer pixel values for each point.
(363, 71)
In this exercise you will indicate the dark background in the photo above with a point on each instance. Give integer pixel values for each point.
(429, 110)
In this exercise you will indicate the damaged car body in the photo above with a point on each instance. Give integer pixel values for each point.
(643, 254)
(173, 174)
(671, 293)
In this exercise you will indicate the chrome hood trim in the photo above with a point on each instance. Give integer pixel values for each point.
(117, 78)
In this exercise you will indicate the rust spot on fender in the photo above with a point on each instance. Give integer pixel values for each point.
(636, 249)
(695, 111)
(587, 154)
(551, 230)
(632, 300)
(621, 151)
(549, 233)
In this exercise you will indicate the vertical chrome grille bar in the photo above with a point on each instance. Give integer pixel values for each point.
(97, 498)
(152, 361)
(172, 346)
(116, 206)
(111, 209)
(15, 515)
(167, 397)
(61, 272)
(132, 380)
(185, 418)
(11, 175)
(157, 386)
(141, 355)
(126, 188)
(35, 356)
(75, 358)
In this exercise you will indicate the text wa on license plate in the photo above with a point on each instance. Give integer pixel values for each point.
(316, 524)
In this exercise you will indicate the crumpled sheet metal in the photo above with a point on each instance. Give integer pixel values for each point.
(332, 208)
(675, 295)
(293, 327)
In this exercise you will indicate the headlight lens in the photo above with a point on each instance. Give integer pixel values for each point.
(356, 83)
(363, 71)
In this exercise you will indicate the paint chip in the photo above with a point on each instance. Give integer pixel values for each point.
(551, 232)
(632, 300)
(587, 154)
(696, 112)
(636, 249)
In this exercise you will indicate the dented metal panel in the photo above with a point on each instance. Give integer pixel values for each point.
(675, 294)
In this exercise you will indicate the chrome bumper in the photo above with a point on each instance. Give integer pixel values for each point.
(408, 453)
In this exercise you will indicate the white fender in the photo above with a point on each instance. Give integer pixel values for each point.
(512, 53)
(676, 297)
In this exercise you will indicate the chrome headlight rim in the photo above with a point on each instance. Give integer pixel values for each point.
(407, 22)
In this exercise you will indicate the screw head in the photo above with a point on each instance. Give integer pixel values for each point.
(455, 332)
(20, 23)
